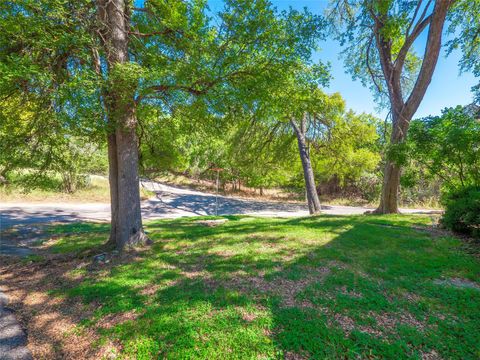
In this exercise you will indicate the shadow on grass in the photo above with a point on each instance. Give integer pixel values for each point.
(324, 287)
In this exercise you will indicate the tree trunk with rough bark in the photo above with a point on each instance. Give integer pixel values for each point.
(392, 171)
(313, 201)
(391, 184)
(126, 223)
(113, 181)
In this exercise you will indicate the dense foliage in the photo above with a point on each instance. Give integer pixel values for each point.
(35, 146)
(448, 147)
(462, 211)
(218, 90)
(262, 153)
(444, 153)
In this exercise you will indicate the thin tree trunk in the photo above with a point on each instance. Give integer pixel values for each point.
(127, 227)
(313, 201)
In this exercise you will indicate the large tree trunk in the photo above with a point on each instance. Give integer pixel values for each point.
(391, 183)
(129, 229)
(313, 201)
(126, 227)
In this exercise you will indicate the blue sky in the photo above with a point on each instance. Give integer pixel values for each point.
(448, 87)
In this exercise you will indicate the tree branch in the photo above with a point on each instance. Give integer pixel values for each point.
(432, 51)
(402, 54)
(369, 68)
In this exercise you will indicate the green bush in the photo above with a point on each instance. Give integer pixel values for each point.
(462, 211)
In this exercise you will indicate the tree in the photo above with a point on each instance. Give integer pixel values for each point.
(114, 30)
(449, 147)
(339, 143)
(300, 102)
(345, 149)
(381, 36)
(95, 65)
(300, 130)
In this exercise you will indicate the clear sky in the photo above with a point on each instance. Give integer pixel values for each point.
(448, 87)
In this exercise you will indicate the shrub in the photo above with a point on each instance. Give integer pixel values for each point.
(370, 186)
(462, 211)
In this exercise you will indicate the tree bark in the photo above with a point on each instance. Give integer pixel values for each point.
(126, 229)
(391, 183)
(129, 229)
(313, 201)
(113, 180)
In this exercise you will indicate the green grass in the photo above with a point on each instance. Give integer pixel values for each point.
(253, 288)
(77, 237)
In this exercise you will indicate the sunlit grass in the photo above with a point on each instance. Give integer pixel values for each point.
(317, 287)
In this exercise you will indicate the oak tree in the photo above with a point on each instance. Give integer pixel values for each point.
(95, 65)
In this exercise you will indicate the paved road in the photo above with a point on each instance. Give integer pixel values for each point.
(13, 339)
(170, 202)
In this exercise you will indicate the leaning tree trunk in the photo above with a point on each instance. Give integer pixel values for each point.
(126, 226)
(313, 201)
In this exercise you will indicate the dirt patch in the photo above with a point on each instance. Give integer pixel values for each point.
(224, 253)
(150, 290)
(52, 321)
(290, 355)
(346, 323)
(211, 223)
(49, 319)
(458, 283)
(286, 289)
(390, 321)
(412, 297)
(194, 274)
(111, 320)
(431, 355)
(386, 323)
(246, 315)
(351, 293)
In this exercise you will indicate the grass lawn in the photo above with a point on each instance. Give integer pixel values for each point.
(324, 287)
